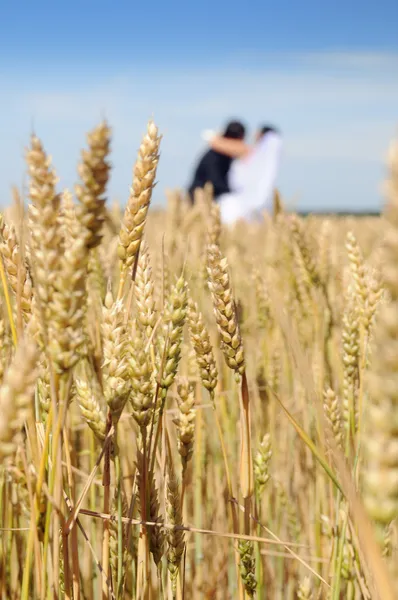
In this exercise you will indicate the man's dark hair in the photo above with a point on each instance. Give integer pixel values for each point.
(235, 130)
(264, 129)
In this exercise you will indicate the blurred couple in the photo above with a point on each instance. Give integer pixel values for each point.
(243, 176)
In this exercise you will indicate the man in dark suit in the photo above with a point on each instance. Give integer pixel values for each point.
(213, 167)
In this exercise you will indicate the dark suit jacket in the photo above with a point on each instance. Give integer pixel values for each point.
(213, 167)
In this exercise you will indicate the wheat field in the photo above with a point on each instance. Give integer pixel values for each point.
(189, 411)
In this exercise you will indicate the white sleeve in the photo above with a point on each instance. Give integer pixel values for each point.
(208, 134)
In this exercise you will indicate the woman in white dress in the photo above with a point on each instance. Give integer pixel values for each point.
(252, 175)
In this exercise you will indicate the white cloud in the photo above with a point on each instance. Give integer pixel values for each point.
(357, 60)
(337, 112)
(358, 142)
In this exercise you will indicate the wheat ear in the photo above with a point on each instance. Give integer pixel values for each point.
(135, 215)
(16, 268)
(45, 231)
(94, 173)
(225, 310)
(16, 396)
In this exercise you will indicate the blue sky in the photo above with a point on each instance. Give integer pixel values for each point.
(326, 75)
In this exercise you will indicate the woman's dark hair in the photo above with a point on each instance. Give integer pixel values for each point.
(234, 130)
(264, 129)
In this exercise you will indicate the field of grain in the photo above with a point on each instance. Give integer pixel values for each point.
(189, 411)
